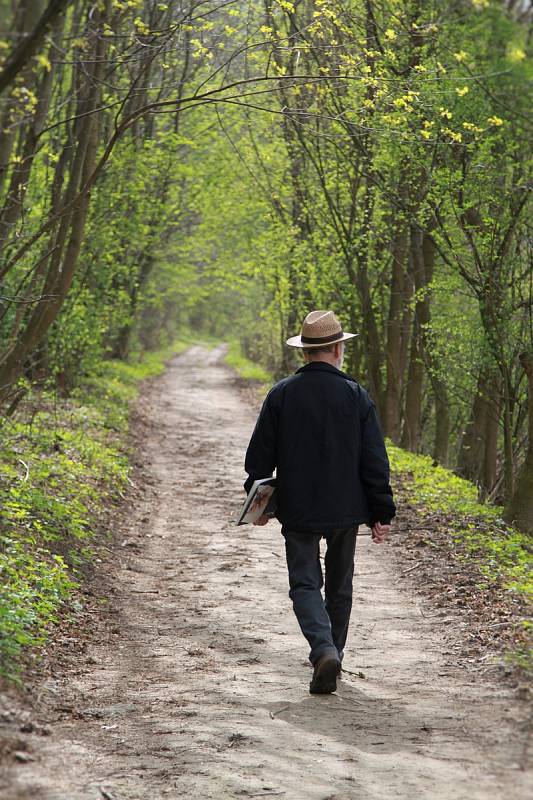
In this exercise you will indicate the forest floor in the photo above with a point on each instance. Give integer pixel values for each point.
(192, 680)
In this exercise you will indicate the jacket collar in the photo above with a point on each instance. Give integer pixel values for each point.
(323, 366)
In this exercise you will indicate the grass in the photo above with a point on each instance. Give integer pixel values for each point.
(62, 462)
(248, 370)
(502, 551)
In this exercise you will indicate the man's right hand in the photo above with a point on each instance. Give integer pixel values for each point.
(379, 532)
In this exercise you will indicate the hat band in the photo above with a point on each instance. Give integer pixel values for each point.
(321, 339)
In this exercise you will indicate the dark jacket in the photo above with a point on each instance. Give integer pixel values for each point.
(320, 430)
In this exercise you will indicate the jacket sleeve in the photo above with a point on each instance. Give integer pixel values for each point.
(260, 458)
(374, 467)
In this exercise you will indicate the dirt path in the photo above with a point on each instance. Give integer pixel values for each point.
(198, 688)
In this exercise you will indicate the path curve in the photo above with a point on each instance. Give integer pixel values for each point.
(198, 687)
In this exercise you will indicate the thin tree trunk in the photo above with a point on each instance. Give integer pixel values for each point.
(370, 333)
(508, 464)
(519, 509)
(413, 394)
(471, 452)
(442, 421)
(478, 454)
(422, 265)
(393, 350)
(25, 17)
(29, 44)
(492, 429)
(20, 177)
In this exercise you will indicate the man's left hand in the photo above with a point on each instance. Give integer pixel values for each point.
(379, 532)
(262, 520)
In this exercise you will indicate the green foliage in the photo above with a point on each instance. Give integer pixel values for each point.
(249, 370)
(34, 584)
(500, 551)
(62, 463)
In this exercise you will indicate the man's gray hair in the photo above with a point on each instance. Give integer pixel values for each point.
(324, 348)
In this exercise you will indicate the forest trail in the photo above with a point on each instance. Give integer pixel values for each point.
(196, 686)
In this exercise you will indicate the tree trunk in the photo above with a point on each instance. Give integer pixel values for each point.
(492, 429)
(422, 264)
(13, 208)
(370, 332)
(519, 509)
(477, 461)
(29, 44)
(508, 463)
(24, 18)
(442, 421)
(370, 337)
(393, 390)
(471, 453)
(413, 395)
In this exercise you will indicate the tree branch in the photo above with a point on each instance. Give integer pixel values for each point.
(29, 44)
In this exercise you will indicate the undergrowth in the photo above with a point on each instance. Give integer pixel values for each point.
(62, 461)
(505, 552)
(248, 370)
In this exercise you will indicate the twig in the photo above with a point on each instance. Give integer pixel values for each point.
(350, 672)
(279, 711)
(499, 625)
(370, 632)
(344, 698)
(395, 531)
(407, 571)
(25, 478)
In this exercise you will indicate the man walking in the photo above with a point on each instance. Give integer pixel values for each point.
(319, 429)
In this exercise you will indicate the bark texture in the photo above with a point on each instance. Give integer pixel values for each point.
(520, 508)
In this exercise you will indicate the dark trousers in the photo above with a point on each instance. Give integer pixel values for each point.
(324, 622)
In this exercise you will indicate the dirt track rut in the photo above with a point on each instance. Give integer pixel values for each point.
(198, 687)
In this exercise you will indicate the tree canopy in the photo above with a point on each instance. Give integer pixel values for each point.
(229, 166)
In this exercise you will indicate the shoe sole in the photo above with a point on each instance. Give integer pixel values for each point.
(325, 681)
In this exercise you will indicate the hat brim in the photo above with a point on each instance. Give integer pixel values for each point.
(296, 341)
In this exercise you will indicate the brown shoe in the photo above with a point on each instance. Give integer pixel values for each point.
(324, 679)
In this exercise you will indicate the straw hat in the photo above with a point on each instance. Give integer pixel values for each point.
(320, 328)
